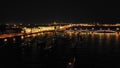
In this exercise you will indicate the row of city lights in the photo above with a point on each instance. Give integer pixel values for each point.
(41, 28)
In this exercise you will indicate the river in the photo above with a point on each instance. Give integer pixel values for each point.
(42, 50)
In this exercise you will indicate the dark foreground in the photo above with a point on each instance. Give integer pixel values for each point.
(64, 51)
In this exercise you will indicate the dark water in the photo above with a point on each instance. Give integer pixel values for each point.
(96, 50)
(99, 50)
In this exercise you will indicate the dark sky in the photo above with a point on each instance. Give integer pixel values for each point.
(60, 11)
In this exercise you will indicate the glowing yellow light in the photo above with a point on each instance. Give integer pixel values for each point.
(117, 28)
(92, 35)
(33, 35)
(28, 35)
(100, 35)
(108, 36)
(55, 23)
(117, 36)
(42, 33)
(5, 40)
(22, 37)
(70, 34)
(38, 33)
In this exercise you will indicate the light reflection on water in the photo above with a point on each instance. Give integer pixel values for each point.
(105, 42)
(104, 48)
(106, 37)
(100, 42)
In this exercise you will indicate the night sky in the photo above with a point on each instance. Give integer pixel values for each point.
(60, 11)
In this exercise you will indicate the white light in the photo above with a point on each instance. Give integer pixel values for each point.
(5, 40)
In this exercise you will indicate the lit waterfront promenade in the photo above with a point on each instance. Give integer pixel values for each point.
(33, 31)
(10, 35)
(17, 34)
(83, 28)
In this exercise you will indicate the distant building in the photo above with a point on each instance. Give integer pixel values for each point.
(6, 29)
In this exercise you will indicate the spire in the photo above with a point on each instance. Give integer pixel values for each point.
(54, 22)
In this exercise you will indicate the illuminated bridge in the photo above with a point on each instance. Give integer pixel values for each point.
(95, 27)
